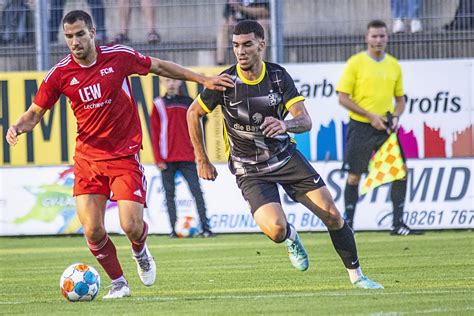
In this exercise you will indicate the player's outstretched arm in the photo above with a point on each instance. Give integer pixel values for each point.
(205, 168)
(174, 71)
(300, 123)
(25, 123)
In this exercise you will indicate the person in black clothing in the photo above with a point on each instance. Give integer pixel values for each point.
(236, 11)
(56, 15)
(464, 17)
(263, 155)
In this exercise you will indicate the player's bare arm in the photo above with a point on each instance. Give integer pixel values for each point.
(25, 123)
(377, 121)
(300, 123)
(205, 168)
(174, 71)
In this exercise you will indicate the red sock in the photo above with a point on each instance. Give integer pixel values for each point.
(106, 254)
(138, 245)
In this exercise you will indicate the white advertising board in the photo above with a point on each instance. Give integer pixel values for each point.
(440, 195)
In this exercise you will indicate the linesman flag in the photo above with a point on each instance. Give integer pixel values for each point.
(386, 165)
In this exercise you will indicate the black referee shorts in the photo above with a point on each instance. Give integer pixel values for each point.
(362, 142)
(297, 177)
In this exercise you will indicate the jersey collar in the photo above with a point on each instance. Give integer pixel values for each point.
(376, 59)
(93, 63)
(251, 82)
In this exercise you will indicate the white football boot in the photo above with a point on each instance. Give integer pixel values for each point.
(146, 266)
(118, 290)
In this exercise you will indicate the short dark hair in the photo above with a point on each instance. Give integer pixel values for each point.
(75, 15)
(249, 26)
(376, 24)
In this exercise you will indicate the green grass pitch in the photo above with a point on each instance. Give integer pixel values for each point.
(248, 274)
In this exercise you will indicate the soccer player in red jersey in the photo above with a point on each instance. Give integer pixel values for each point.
(109, 137)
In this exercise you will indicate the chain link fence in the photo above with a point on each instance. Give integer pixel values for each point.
(186, 31)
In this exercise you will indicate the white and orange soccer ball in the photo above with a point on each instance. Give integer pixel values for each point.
(79, 282)
(187, 226)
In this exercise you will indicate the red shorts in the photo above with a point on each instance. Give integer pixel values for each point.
(119, 179)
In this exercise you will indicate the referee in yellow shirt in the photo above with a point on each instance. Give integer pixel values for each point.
(371, 80)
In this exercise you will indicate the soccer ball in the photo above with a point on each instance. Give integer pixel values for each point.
(186, 227)
(79, 282)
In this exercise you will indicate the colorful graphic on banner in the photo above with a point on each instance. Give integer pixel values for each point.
(52, 201)
(438, 120)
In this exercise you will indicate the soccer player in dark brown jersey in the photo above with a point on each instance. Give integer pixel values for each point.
(262, 153)
(95, 80)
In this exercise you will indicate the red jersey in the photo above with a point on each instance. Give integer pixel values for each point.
(169, 129)
(108, 125)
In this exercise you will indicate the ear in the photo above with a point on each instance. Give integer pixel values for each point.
(261, 45)
(93, 32)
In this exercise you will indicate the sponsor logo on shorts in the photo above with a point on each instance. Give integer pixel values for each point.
(316, 180)
(138, 193)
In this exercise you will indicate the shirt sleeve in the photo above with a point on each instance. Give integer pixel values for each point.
(49, 90)
(290, 93)
(347, 82)
(137, 63)
(210, 99)
(399, 84)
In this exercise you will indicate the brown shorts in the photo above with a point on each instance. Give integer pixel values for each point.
(118, 179)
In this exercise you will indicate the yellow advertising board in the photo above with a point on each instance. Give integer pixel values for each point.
(52, 141)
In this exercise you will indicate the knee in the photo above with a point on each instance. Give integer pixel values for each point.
(94, 233)
(133, 228)
(277, 232)
(333, 219)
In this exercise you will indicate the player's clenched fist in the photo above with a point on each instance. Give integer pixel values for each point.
(207, 171)
(272, 126)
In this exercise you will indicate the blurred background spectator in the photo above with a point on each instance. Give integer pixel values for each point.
(404, 10)
(464, 17)
(238, 10)
(56, 16)
(17, 21)
(148, 11)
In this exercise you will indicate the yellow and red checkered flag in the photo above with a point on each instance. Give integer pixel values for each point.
(386, 165)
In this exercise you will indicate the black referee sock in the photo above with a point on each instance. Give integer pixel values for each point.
(398, 194)
(344, 243)
(351, 196)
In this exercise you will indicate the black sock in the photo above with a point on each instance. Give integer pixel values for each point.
(344, 243)
(398, 194)
(351, 196)
(288, 231)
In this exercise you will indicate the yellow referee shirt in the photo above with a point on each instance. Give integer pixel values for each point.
(372, 84)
